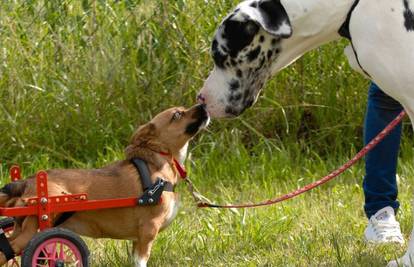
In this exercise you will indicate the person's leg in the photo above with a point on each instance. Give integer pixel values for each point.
(380, 181)
(380, 185)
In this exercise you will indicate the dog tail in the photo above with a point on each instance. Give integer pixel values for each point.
(12, 190)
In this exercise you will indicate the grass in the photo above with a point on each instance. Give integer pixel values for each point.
(77, 77)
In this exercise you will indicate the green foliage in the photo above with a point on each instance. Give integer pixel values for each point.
(78, 76)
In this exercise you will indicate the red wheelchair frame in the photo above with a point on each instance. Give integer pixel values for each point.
(43, 206)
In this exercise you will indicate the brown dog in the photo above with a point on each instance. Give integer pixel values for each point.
(169, 131)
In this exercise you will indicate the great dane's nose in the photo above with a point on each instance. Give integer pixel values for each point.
(201, 99)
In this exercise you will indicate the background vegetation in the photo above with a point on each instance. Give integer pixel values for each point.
(76, 77)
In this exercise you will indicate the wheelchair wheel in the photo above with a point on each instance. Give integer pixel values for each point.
(56, 247)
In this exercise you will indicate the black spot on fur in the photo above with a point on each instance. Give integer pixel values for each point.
(269, 54)
(233, 62)
(234, 85)
(238, 34)
(218, 57)
(237, 97)
(261, 38)
(262, 61)
(252, 55)
(408, 17)
(275, 41)
(239, 73)
(260, 66)
(277, 50)
(254, 4)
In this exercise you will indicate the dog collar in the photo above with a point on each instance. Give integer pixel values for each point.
(180, 169)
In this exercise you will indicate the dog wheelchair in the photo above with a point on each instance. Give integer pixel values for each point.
(59, 247)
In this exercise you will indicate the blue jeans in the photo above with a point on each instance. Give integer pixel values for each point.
(380, 184)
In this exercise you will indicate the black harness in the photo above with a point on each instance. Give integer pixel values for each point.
(5, 246)
(152, 191)
(344, 32)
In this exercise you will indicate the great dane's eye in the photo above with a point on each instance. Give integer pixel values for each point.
(177, 115)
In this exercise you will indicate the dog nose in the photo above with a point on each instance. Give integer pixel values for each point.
(201, 99)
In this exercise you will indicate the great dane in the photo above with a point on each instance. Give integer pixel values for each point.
(261, 37)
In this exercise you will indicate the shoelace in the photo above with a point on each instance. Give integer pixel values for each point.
(387, 229)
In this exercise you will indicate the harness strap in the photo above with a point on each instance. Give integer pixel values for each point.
(169, 187)
(344, 30)
(152, 191)
(143, 171)
(145, 176)
(5, 246)
(63, 218)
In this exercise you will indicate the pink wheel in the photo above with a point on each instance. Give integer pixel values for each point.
(57, 252)
(56, 247)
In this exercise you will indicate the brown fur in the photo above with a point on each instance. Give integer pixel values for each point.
(117, 180)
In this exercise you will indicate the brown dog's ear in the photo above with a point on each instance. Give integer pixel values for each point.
(143, 138)
(143, 134)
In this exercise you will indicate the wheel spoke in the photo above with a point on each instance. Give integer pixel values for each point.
(45, 253)
(54, 248)
(61, 252)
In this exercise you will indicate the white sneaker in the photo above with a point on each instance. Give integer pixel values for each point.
(383, 228)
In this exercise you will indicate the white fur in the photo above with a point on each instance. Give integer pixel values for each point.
(139, 262)
(183, 154)
(173, 210)
(217, 79)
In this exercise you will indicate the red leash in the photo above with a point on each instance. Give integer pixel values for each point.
(322, 181)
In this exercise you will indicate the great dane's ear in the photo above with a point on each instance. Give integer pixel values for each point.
(272, 16)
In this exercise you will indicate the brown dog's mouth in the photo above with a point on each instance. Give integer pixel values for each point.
(202, 121)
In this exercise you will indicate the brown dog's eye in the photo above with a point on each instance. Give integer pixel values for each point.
(177, 115)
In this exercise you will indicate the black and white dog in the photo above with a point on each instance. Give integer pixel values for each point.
(261, 37)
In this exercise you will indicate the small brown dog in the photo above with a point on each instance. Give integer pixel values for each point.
(170, 131)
